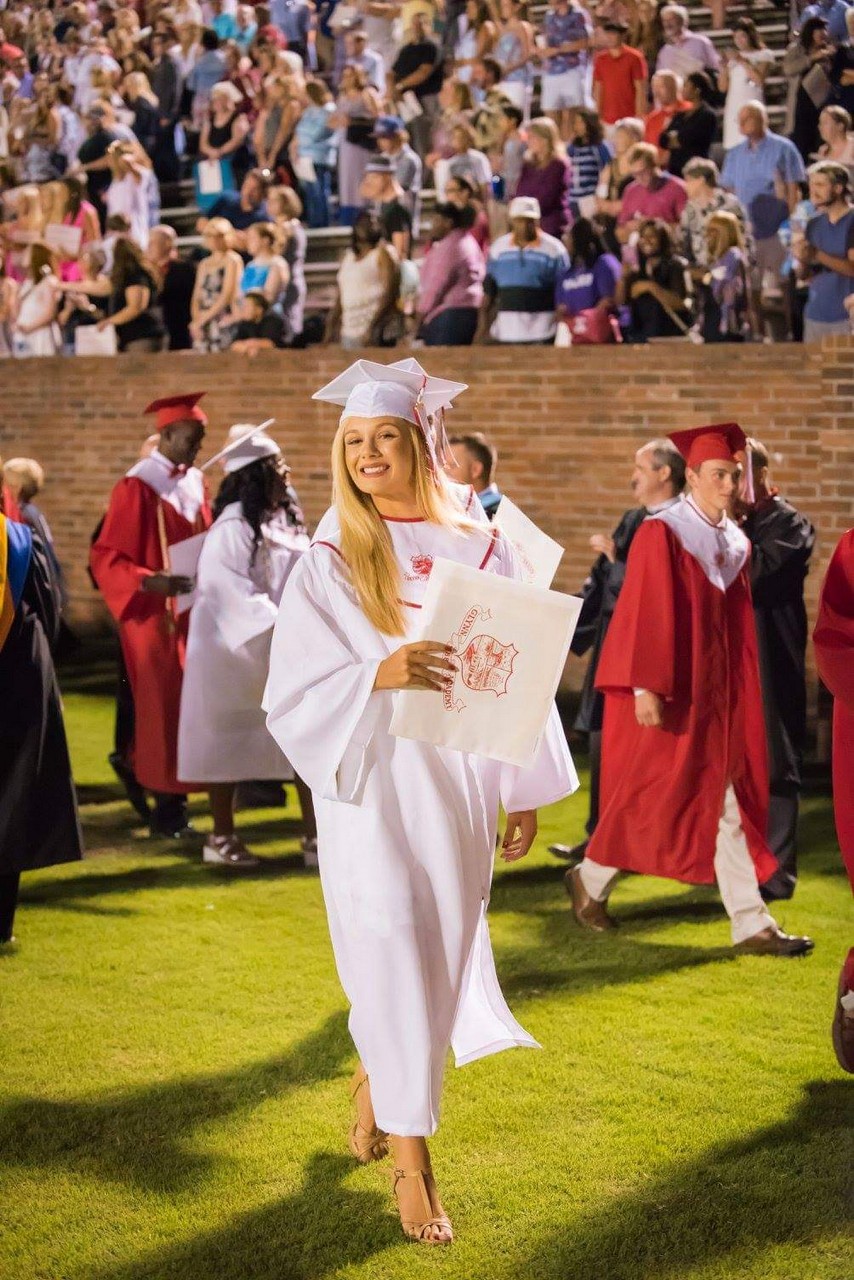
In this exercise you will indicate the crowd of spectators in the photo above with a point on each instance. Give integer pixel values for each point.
(598, 174)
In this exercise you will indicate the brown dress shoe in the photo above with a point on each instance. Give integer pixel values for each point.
(589, 913)
(843, 1028)
(774, 942)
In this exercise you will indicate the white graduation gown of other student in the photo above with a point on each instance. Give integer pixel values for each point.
(222, 734)
(406, 830)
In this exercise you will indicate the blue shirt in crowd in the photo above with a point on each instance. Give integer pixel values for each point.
(565, 28)
(828, 289)
(316, 140)
(588, 160)
(208, 71)
(293, 18)
(750, 170)
(833, 12)
(225, 25)
(522, 283)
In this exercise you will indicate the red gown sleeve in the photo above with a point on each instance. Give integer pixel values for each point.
(640, 648)
(833, 636)
(117, 557)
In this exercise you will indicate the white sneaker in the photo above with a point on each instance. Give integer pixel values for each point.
(228, 851)
(309, 852)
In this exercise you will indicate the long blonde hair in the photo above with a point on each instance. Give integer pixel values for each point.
(365, 540)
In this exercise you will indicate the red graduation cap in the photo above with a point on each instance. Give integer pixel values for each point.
(721, 440)
(177, 409)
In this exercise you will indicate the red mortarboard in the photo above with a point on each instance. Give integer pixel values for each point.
(177, 409)
(721, 440)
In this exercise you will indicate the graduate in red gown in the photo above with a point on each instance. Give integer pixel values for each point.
(684, 789)
(162, 500)
(834, 650)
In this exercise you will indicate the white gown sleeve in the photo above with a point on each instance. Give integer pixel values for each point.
(241, 611)
(318, 698)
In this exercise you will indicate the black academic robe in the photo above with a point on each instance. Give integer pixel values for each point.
(38, 809)
(782, 541)
(599, 594)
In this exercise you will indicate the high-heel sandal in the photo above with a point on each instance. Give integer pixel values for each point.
(418, 1230)
(366, 1145)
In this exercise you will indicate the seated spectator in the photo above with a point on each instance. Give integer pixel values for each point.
(684, 51)
(36, 332)
(814, 85)
(418, 69)
(266, 271)
(514, 51)
(365, 311)
(128, 192)
(826, 255)
(76, 211)
(216, 287)
(546, 175)
(467, 162)
(667, 99)
(456, 106)
(452, 273)
(615, 179)
(723, 296)
(589, 156)
(225, 130)
(521, 273)
(176, 278)
(285, 210)
(474, 38)
(460, 192)
(381, 192)
(565, 57)
(586, 289)
(742, 76)
(393, 140)
(705, 198)
(619, 78)
(651, 194)
(658, 291)
(356, 112)
(834, 127)
(258, 327)
(486, 77)
(315, 141)
(241, 209)
(692, 130)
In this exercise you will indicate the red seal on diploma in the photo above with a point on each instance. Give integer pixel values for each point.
(421, 565)
(485, 663)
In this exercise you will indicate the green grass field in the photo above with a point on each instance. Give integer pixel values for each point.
(175, 1060)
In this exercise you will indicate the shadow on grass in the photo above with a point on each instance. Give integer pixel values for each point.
(782, 1184)
(143, 1137)
(315, 1232)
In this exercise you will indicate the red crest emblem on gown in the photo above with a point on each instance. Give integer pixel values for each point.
(421, 565)
(486, 664)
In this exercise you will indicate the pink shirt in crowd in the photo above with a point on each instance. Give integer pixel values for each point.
(452, 273)
(665, 199)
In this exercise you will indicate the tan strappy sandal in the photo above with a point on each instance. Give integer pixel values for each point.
(419, 1230)
(366, 1145)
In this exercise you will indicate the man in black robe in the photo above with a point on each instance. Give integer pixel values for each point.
(38, 808)
(657, 481)
(782, 540)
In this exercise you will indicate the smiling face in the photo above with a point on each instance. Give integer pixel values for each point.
(379, 459)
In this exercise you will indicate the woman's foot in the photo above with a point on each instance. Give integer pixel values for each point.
(366, 1141)
(421, 1214)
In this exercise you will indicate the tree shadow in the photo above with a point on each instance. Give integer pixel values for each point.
(144, 1137)
(316, 1231)
(782, 1184)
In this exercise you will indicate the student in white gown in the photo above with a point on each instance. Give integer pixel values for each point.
(406, 830)
(256, 539)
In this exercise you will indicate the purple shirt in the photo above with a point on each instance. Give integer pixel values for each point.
(565, 28)
(452, 273)
(692, 53)
(665, 199)
(581, 287)
(550, 186)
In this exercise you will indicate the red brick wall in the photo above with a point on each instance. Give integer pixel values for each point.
(566, 424)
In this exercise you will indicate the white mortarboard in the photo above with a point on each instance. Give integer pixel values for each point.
(246, 444)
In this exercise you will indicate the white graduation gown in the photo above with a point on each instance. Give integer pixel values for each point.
(222, 734)
(406, 830)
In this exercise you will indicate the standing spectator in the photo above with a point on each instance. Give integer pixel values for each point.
(586, 290)
(86, 299)
(512, 151)
(128, 192)
(315, 140)
(658, 291)
(645, 33)
(841, 70)
(293, 19)
(588, 157)
(166, 83)
(224, 134)
(8, 312)
(615, 178)
(546, 175)
(460, 192)
(93, 159)
(275, 126)
(691, 132)
(72, 134)
(834, 126)
(492, 100)
(651, 194)
(208, 70)
(247, 27)
(764, 172)
(467, 162)
(456, 104)
(224, 23)
(76, 211)
(684, 51)
(826, 256)
(514, 50)
(365, 313)
(285, 210)
(356, 113)
(619, 78)
(472, 462)
(706, 197)
(833, 12)
(175, 278)
(360, 55)
(242, 208)
(36, 332)
(40, 123)
(134, 312)
(723, 295)
(142, 100)
(521, 273)
(391, 136)
(382, 193)
(215, 290)
(667, 99)
(451, 274)
(814, 85)
(567, 70)
(742, 76)
(476, 34)
(380, 19)
(418, 69)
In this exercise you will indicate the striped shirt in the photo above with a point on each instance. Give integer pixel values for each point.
(588, 161)
(522, 282)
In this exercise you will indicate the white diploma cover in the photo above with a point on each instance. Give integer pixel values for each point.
(537, 553)
(184, 561)
(510, 640)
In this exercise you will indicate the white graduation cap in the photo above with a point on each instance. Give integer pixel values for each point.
(246, 444)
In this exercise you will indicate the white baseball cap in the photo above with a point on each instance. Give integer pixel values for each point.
(524, 207)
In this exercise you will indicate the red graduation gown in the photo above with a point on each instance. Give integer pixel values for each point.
(677, 634)
(834, 650)
(127, 550)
